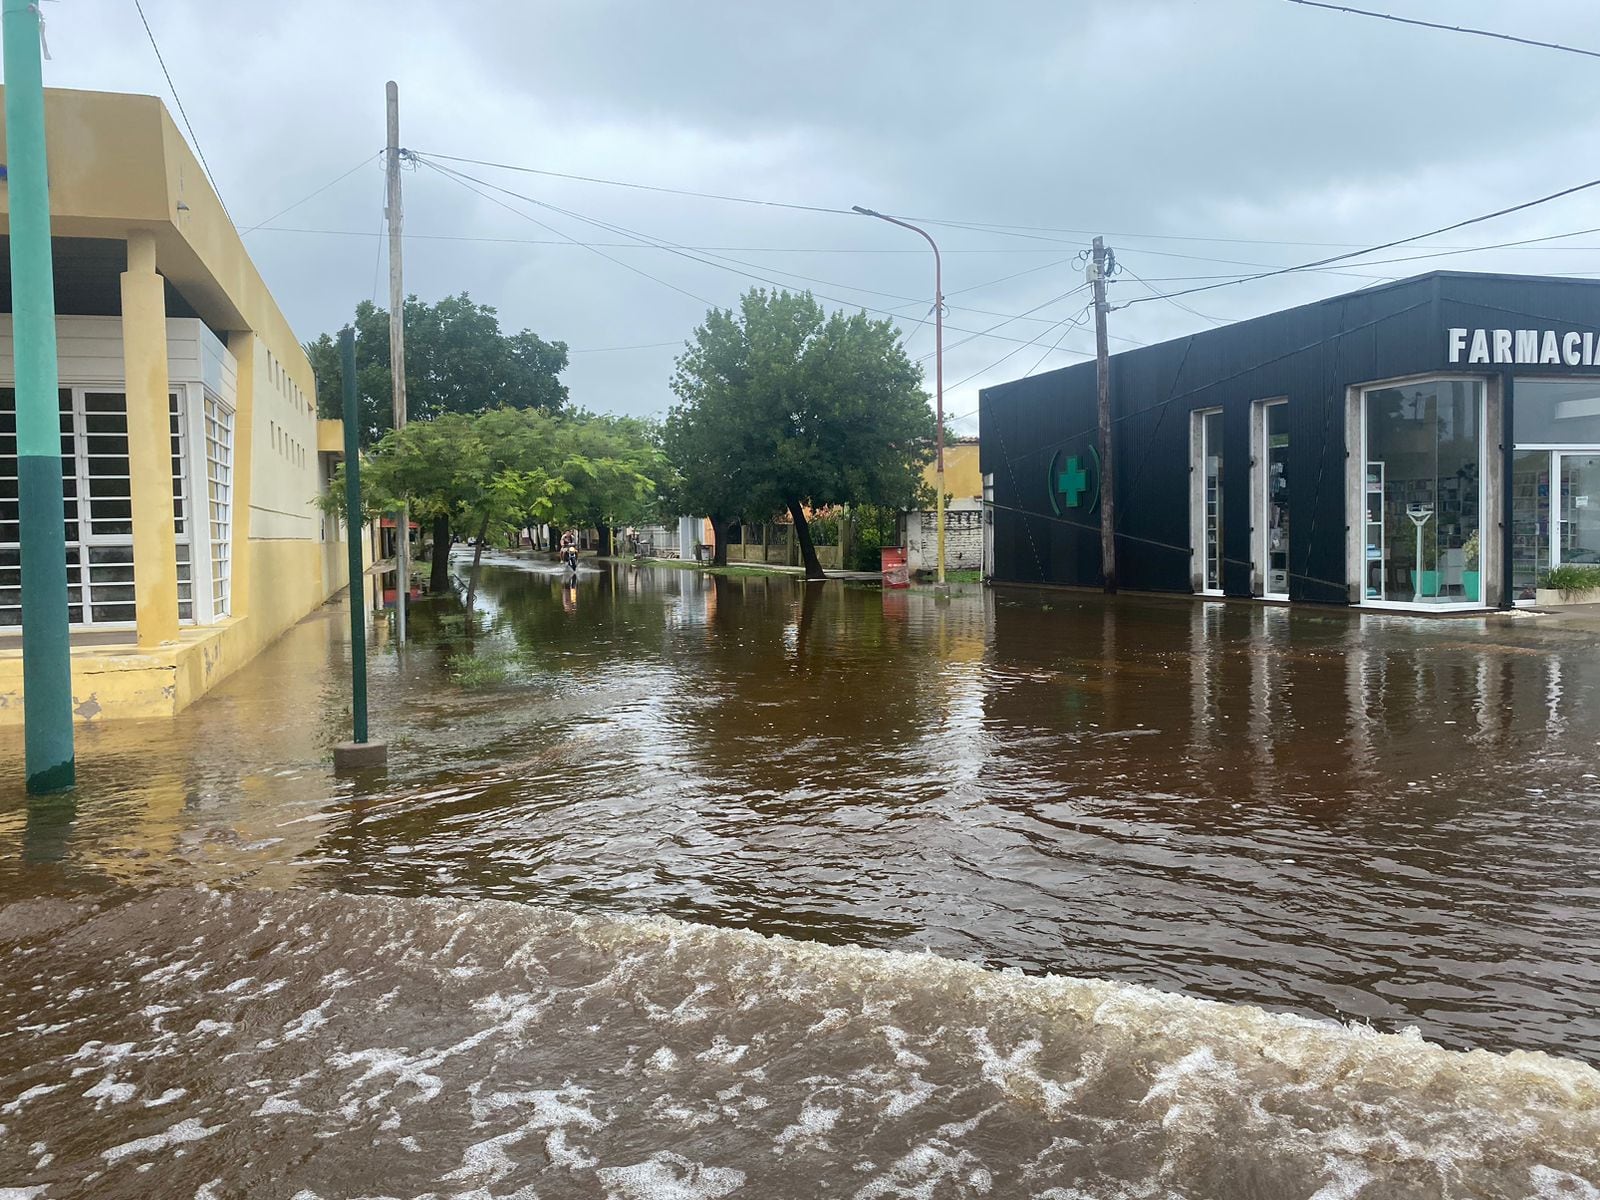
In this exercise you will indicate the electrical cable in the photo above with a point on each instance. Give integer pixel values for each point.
(311, 196)
(1176, 304)
(1488, 33)
(612, 349)
(666, 244)
(559, 233)
(1070, 323)
(643, 187)
(178, 100)
(1322, 262)
(673, 248)
(1254, 366)
(383, 242)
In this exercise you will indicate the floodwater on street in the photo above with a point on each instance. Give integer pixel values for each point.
(1221, 899)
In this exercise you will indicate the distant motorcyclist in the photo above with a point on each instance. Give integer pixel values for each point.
(569, 550)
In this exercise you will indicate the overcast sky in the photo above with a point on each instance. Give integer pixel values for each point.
(1208, 138)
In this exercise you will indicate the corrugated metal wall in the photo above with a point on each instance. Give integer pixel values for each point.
(1311, 355)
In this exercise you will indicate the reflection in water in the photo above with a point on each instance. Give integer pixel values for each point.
(1343, 815)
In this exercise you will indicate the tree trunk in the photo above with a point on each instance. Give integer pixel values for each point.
(719, 537)
(439, 570)
(472, 579)
(606, 542)
(808, 552)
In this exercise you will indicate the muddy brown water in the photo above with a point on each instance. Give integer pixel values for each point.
(1221, 900)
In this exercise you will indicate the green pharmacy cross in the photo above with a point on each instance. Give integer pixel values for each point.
(1072, 482)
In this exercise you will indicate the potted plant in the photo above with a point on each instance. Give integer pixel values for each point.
(1470, 575)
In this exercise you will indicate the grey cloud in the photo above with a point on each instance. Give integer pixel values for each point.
(1252, 119)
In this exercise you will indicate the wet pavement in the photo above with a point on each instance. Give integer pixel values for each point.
(1390, 821)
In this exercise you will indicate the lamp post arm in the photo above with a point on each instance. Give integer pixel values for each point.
(938, 376)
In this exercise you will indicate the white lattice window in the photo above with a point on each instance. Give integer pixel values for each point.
(219, 498)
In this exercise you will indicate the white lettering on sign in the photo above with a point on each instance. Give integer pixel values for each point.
(1533, 347)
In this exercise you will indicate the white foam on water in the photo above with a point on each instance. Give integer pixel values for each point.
(813, 1122)
(110, 1091)
(668, 1176)
(881, 1075)
(403, 1067)
(33, 1093)
(562, 1155)
(175, 1135)
(22, 1193)
(1550, 1184)
(918, 1174)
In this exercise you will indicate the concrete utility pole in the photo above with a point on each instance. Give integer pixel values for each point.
(938, 382)
(397, 352)
(46, 644)
(1102, 360)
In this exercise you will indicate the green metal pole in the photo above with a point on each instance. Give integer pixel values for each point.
(352, 534)
(46, 647)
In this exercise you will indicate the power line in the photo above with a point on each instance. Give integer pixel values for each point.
(383, 242)
(1488, 33)
(311, 196)
(461, 179)
(1322, 262)
(674, 248)
(665, 244)
(178, 100)
(1070, 323)
(613, 349)
(643, 187)
(1175, 303)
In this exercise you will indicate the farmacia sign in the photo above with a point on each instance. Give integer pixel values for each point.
(1548, 347)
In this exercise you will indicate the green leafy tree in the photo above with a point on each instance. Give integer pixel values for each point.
(784, 406)
(458, 360)
(511, 469)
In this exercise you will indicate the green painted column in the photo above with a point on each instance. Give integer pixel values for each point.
(352, 534)
(46, 649)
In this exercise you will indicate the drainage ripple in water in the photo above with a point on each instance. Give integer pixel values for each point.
(319, 1045)
(1389, 821)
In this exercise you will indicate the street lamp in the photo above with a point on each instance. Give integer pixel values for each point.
(938, 379)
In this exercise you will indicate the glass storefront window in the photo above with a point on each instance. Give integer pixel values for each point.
(1277, 498)
(1423, 487)
(1556, 412)
(1530, 520)
(1207, 497)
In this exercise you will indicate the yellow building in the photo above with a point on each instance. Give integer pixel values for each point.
(191, 448)
(963, 518)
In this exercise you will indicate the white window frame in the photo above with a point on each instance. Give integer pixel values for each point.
(219, 567)
(1197, 506)
(1261, 497)
(1358, 468)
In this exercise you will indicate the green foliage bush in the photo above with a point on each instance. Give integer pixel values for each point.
(469, 671)
(1572, 577)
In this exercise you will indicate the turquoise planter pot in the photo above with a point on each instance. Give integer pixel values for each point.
(1469, 585)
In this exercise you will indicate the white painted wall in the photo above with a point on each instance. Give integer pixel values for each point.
(89, 351)
(963, 537)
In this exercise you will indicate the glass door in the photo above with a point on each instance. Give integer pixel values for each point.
(1578, 540)
(1209, 430)
(1530, 521)
(1274, 458)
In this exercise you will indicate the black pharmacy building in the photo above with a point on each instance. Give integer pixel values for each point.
(1431, 445)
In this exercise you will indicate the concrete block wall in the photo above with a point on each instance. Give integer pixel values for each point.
(963, 539)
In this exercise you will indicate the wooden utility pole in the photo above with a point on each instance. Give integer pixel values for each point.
(397, 352)
(1102, 361)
